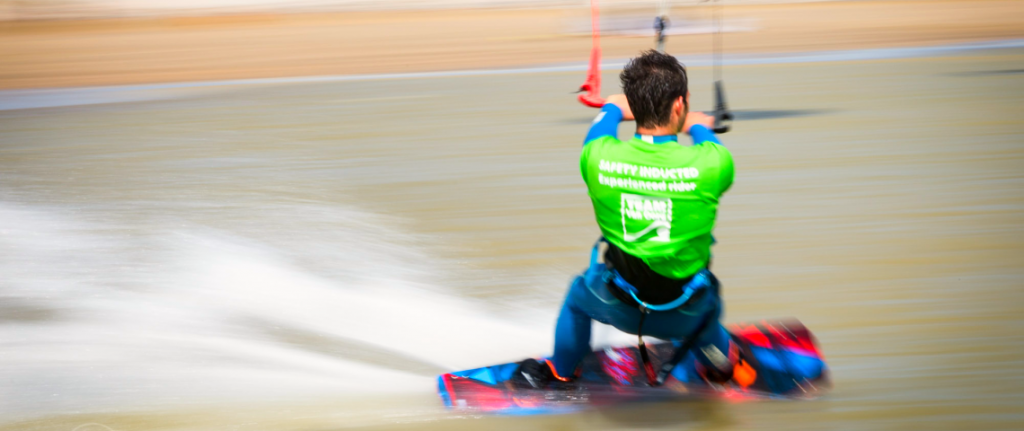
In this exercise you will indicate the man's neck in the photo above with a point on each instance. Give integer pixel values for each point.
(657, 131)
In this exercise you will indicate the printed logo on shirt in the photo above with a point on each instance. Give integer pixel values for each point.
(645, 218)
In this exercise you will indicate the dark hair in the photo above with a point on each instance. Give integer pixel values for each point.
(652, 81)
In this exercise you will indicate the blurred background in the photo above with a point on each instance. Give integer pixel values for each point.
(259, 214)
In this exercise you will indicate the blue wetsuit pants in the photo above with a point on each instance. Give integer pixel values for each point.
(589, 299)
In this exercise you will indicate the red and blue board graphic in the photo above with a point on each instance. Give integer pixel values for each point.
(777, 360)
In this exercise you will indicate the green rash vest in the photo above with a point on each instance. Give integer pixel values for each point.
(657, 201)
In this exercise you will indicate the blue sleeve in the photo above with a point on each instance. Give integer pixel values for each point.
(605, 124)
(701, 134)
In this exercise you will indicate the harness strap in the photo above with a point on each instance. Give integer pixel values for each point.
(652, 379)
(698, 281)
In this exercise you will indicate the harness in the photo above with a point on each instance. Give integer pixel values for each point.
(701, 280)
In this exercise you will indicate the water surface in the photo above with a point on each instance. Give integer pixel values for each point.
(309, 255)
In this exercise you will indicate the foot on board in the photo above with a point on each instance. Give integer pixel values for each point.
(537, 375)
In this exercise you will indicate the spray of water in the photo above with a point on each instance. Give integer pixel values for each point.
(101, 311)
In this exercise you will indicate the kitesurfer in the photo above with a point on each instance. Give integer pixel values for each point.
(655, 202)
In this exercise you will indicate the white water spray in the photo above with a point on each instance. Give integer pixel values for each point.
(98, 315)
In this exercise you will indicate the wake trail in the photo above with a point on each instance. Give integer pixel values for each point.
(100, 315)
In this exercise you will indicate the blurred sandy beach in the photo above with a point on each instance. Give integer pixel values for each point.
(234, 45)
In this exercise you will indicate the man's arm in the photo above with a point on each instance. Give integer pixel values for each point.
(702, 134)
(698, 126)
(614, 111)
(620, 101)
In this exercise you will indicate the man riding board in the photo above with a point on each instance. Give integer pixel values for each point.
(655, 202)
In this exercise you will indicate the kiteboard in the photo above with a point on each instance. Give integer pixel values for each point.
(779, 360)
